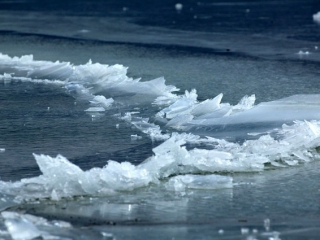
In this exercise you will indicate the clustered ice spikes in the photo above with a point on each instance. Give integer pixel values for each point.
(85, 79)
(61, 178)
(187, 110)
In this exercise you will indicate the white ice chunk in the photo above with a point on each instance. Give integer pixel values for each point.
(180, 183)
(6, 77)
(95, 109)
(135, 137)
(178, 7)
(102, 100)
(303, 53)
(316, 17)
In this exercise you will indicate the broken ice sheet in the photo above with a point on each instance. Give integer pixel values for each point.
(212, 181)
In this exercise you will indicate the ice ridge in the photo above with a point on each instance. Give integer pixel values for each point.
(171, 161)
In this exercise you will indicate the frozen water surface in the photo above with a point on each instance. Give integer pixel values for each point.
(164, 120)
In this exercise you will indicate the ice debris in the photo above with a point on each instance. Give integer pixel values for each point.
(295, 144)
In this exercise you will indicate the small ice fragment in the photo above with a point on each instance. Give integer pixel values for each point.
(316, 17)
(54, 195)
(255, 231)
(84, 31)
(108, 235)
(135, 137)
(316, 47)
(271, 235)
(303, 53)
(221, 231)
(99, 99)
(2, 150)
(275, 236)
(62, 224)
(6, 77)
(245, 230)
(95, 109)
(117, 126)
(48, 108)
(266, 224)
(125, 9)
(178, 7)
(247, 10)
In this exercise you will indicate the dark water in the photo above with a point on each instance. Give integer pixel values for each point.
(230, 47)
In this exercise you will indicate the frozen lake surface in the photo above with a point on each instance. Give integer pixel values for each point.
(158, 120)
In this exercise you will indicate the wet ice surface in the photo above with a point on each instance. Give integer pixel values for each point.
(245, 180)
